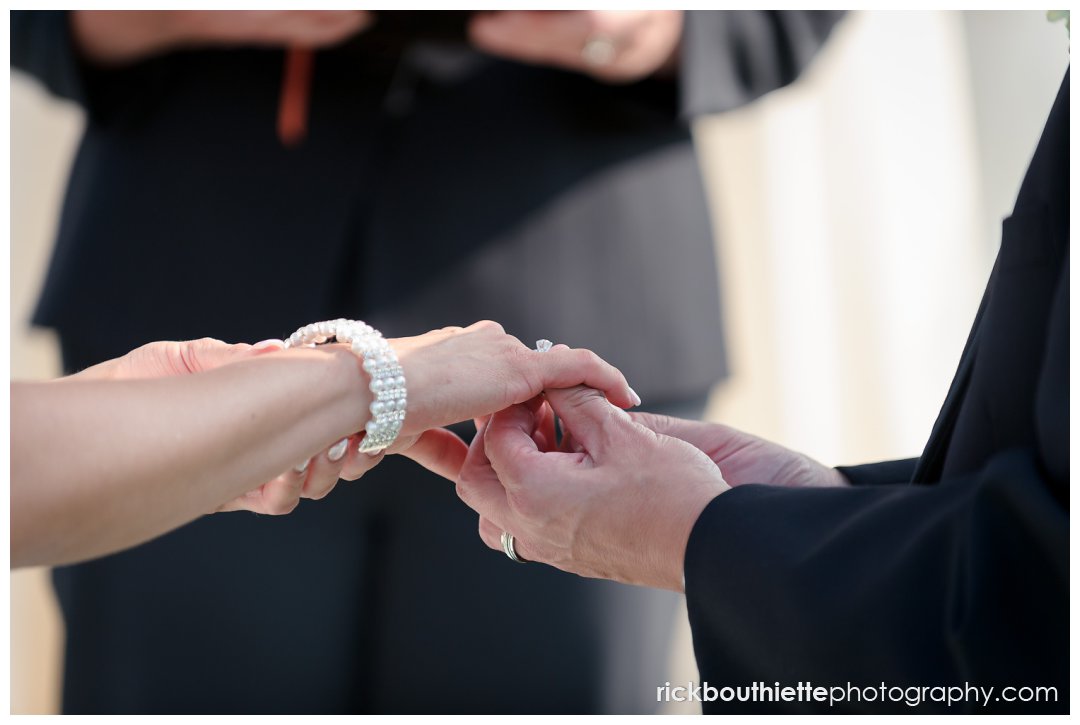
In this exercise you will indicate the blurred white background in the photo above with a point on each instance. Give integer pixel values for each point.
(859, 212)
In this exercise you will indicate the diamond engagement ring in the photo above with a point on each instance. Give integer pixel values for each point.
(543, 345)
(507, 540)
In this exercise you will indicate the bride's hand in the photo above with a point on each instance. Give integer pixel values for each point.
(457, 374)
(313, 479)
(169, 358)
(453, 375)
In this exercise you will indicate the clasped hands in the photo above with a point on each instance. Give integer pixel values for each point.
(615, 496)
(454, 374)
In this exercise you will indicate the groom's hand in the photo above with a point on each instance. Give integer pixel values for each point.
(638, 43)
(616, 500)
(111, 37)
(745, 458)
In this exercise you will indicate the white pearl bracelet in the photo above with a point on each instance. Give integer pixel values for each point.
(380, 362)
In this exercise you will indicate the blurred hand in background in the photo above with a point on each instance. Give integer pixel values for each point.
(609, 45)
(116, 37)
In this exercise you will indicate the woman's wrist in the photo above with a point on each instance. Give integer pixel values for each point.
(352, 386)
(379, 361)
(324, 391)
(418, 416)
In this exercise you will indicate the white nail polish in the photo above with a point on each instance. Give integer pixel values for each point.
(338, 450)
(302, 467)
(636, 397)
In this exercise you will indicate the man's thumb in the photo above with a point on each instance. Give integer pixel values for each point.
(588, 416)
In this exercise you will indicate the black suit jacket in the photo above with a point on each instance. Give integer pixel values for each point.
(949, 570)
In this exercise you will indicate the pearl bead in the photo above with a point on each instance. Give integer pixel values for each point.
(387, 380)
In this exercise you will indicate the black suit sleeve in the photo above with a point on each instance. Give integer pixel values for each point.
(962, 581)
(731, 57)
(965, 581)
(872, 474)
(41, 45)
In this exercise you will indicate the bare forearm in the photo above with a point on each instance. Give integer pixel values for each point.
(101, 465)
(130, 449)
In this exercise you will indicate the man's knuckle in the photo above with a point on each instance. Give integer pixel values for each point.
(582, 396)
(523, 505)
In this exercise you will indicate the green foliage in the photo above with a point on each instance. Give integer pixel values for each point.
(1055, 15)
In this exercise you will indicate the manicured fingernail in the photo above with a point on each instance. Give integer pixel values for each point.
(338, 450)
(266, 344)
(360, 449)
(636, 398)
(302, 467)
